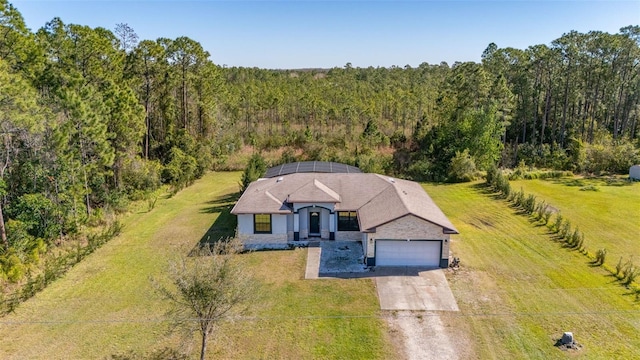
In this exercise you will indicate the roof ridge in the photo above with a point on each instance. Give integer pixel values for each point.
(272, 197)
(394, 184)
(378, 193)
(326, 189)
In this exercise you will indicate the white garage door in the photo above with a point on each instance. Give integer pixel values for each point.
(407, 253)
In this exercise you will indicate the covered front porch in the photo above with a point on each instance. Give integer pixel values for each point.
(322, 222)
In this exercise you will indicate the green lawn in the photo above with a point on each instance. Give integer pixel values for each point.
(518, 290)
(106, 305)
(609, 217)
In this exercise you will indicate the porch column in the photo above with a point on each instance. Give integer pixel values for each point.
(332, 226)
(296, 226)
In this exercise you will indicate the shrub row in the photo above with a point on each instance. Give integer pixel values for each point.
(626, 272)
(527, 173)
(57, 266)
(497, 181)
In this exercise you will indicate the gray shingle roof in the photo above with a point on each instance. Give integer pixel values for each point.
(402, 198)
(377, 198)
(314, 191)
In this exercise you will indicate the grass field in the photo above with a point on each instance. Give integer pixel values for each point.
(106, 304)
(518, 290)
(609, 217)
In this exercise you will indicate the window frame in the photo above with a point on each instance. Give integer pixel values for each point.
(351, 222)
(257, 224)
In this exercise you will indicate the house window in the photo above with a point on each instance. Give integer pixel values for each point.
(262, 224)
(348, 221)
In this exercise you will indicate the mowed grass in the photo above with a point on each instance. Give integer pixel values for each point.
(609, 217)
(106, 305)
(306, 319)
(518, 290)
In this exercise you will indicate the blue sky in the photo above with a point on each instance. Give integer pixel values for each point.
(302, 34)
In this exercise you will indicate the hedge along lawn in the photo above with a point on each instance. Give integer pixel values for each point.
(518, 290)
(609, 217)
(106, 305)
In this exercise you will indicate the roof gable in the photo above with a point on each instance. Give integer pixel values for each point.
(402, 198)
(314, 191)
(262, 201)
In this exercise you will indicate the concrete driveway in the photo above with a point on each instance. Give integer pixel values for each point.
(409, 288)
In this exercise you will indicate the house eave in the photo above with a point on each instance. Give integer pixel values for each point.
(281, 212)
(445, 230)
(311, 201)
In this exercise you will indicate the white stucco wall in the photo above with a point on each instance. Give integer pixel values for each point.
(245, 224)
(303, 217)
(365, 243)
(324, 223)
(279, 234)
(278, 224)
(332, 222)
(290, 218)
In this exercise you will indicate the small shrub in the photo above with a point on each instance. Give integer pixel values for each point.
(601, 256)
(462, 167)
(14, 269)
(540, 208)
(519, 172)
(565, 231)
(557, 225)
(497, 181)
(631, 275)
(627, 270)
(577, 239)
(529, 204)
(547, 215)
(619, 267)
(554, 174)
(491, 175)
(97, 218)
(151, 203)
(518, 198)
(589, 188)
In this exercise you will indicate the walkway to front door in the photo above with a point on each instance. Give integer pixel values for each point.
(314, 223)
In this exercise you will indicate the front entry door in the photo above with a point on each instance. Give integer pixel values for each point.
(314, 223)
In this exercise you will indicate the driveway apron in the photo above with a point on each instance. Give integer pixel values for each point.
(423, 290)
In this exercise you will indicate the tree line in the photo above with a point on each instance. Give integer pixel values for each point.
(91, 118)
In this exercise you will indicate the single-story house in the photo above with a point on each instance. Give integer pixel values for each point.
(396, 220)
(634, 172)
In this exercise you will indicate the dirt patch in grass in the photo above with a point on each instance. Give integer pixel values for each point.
(481, 223)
